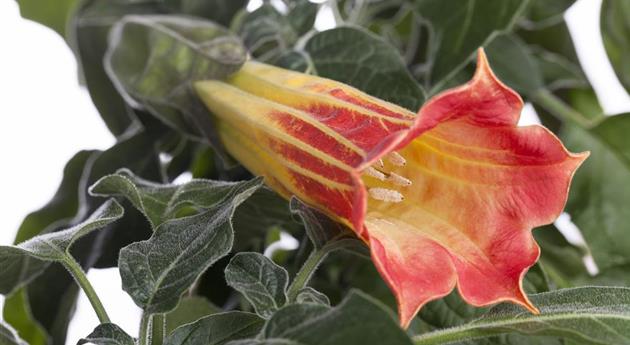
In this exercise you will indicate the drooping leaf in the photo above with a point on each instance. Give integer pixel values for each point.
(108, 334)
(357, 320)
(597, 202)
(217, 329)
(51, 13)
(161, 202)
(157, 271)
(89, 31)
(177, 50)
(220, 11)
(460, 27)
(260, 280)
(23, 262)
(363, 60)
(615, 27)
(8, 336)
(588, 315)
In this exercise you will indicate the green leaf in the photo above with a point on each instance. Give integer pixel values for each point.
(265, 32)
(514, 64)
(88, 36)
(459, 27)
(162, 202)
(615, 26)
(17, 313)
(310, 295)
(8, 336)
(53, 14)
(260, 280)
(541, 13)
(363, 60)
(320, 229)
(175, 51)
(157, 271)
(108, 334)
(264, 210)
(600, 193)
(189, 309)
(588, 315)
(217, 329)
(302, 16)
(561, 260)
(18, 266)
(357, 320)
(220, 11)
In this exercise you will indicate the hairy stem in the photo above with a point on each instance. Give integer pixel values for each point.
(79, 276)
(146, 329)
(313, 261)
(159, 325)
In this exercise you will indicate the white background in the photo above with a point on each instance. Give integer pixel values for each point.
(47, 117)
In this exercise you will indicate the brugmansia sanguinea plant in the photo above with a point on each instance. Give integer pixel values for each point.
(443, 198)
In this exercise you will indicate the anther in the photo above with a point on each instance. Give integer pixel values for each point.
(398, 180)
(379, 163)
(375, 173)
(396, 159)
(387, 195)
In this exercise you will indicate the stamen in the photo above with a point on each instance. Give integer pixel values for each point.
(396, 159)
(375, 173)
(379, 163)
(399, 180)
(387, 195)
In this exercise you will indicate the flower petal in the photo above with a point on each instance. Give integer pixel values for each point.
(479, 185)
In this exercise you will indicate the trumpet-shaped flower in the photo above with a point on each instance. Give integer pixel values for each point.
(444, 198)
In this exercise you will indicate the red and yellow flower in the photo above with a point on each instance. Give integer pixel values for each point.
(446, 197)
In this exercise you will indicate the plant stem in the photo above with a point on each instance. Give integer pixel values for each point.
(145, 329)
(79, 276)
(312, 262)
(158, 331)
(561, 110)
(306, 272)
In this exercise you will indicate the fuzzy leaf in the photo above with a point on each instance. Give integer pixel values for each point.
(316, 324)
(587, 315)
(23, 262)
(320, 229)
(260, 280)
(310, 295)
(157, 271)
(217, 329)
(363, 60)
(598, 202)
(161, 202)
(108, 334)
(178, 50)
